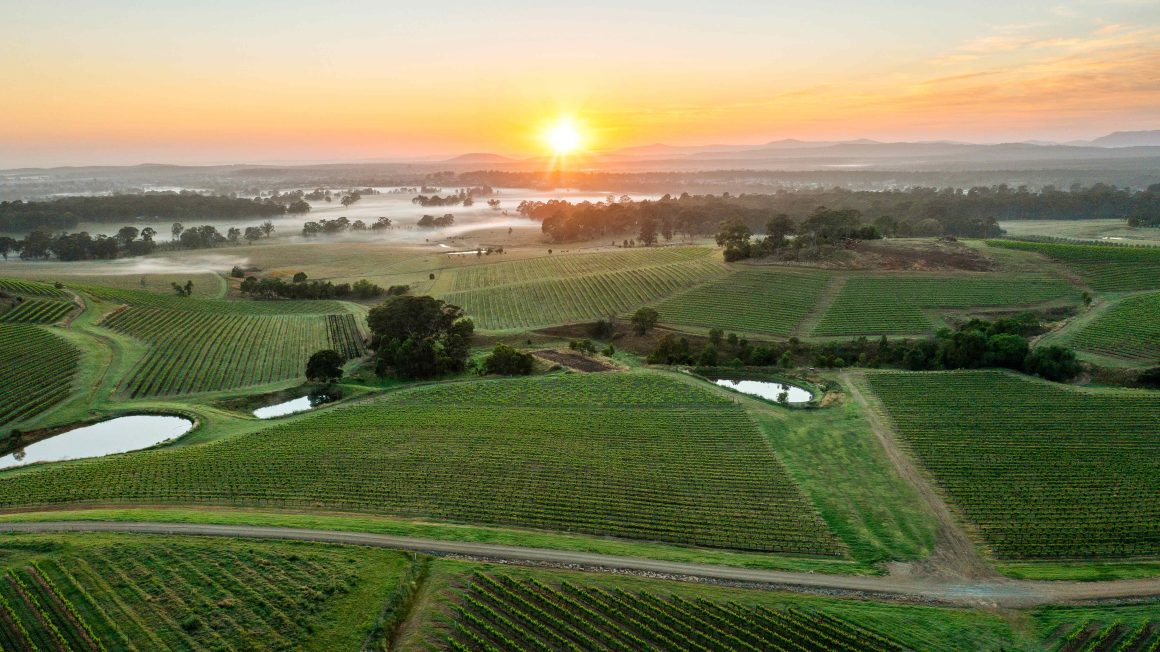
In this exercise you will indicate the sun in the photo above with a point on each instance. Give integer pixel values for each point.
(563, 137)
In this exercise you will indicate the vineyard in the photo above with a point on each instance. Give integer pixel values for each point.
(171, 596)
(204, 350)
(873, 305)
(626, 455)
(1123, 629)
(1042, 470)
(1105, 268)
(497, 612)
(38, 311)
(768, 301)
(23, 288)
(566, 289)
(1130, 329)
(37, 367)
(138, 298)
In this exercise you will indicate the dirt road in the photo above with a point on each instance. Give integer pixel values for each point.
(989, 592)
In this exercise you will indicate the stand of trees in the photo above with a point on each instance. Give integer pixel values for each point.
(507, 361)
(977, 344)
(464, 197)
(67, 212)
(973, 212)
(432, 222)
(419, 337)
(300, 288)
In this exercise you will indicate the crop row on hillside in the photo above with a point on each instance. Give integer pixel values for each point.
(588, 297)
(894, 304)
(532, 270)
(1109, 269)
(38, 311)
(699, 475)
(194, 351)
(169, 597)
(37, 367)
(22, 288)
(1129, 329)
(140, 298)
(1043, 471)
(497, 612)
(759, 300)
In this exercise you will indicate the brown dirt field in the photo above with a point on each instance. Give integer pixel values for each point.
(574, 360)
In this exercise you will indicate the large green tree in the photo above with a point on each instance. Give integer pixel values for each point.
(419, 337)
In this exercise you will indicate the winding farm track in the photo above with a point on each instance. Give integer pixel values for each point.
(989, 592)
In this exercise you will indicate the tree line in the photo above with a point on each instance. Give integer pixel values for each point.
(301, 288)
(67, 212)
(128, 241)
(973, 212)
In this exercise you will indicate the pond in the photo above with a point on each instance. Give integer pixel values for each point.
(119, 435)
(300, 404)
(766, 389)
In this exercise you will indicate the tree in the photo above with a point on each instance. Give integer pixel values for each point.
(176, 230)
(648, 232)
(507, 361)
(1053, 363)
(267, 228)
(644, 319)
(300, 277)
(233, 234)
(1149, 378)
(777, 228)
(419, 336)
(734, 236)
(715, 335)
(1006, 350)
(324, 366)
(7, 246)
(708, 356)
(127, 234)
(253, 233)
(183, 290)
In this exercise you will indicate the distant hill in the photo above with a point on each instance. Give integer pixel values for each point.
(1129, 139)
(480, 157)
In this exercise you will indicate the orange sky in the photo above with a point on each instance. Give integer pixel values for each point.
(256, 80)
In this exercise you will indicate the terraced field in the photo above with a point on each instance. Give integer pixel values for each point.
(894, 304)
(572, 288)
(205, 350)
(38, 311)
(1130, 329)
(171, 596)
(630, 455)
(1104, 268)
(761, 300)
(38, 369)
(498, 612)
(1043, 471)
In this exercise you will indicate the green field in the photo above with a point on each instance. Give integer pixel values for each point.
(201, 350)
(38, 368)
(502, 612)
(38, 311)
(769, 301)
(895, 304)
(629, 455)
(1099, 628)
(1104, 268)
(572, 288)
(135, 593)
(1041, 470)
(1128, 329)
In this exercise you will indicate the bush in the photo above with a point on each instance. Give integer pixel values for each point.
(643, 320)
(324, 366)
(1053, 363)
(506, 361)
(1149, 378)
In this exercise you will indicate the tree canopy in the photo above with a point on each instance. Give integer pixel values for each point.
(419, 337)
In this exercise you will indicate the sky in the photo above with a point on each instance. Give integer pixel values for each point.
(230, 81)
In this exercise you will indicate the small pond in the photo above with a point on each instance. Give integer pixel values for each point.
(119, 435)
(766, 389)
(300, 404)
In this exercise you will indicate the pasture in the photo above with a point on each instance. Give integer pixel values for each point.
(1041, 471)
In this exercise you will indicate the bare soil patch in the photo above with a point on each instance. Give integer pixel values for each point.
(574, 360)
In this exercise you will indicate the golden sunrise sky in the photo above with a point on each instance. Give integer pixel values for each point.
(122, 82)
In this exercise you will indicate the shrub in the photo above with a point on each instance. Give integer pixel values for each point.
(507, 361)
